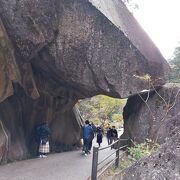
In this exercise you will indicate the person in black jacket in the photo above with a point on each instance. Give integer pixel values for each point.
(114, 135)
(108, 135)
(99, 136)
(91, 139)
(42, 133)
(94, 128)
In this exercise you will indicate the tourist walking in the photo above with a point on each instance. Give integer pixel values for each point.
(87, 135)
(43, 133)
(91, 139)
(99, 136)
(94, 128)
(114, 135)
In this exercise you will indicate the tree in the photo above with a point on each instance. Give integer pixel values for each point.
(102, 109)
(175, 66)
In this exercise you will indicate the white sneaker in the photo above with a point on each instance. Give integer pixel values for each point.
(44, 156)
(40, 156)
(85, 154)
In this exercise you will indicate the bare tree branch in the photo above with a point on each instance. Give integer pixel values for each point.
(159, 94)
(164, 118)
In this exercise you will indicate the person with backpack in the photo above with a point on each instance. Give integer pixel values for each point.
(87, 137)
(43, 133)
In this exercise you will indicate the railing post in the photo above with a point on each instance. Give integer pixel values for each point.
(117, 155)
(130, 143)
(94, 163)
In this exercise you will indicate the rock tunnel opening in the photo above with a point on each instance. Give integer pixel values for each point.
(146, 115)
(52, 54)
(59, 54)
(103, 111)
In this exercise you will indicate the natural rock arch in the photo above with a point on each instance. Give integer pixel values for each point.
(55, 52)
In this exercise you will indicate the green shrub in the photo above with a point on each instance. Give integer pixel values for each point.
(143, 149)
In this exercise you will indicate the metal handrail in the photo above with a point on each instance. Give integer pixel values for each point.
(112, 154)
(100, 149)
(109, 146)
(107, 157)
(95, 163)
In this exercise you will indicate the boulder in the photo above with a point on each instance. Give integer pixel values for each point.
(54, 52)
(158, 121)
(90, 49)
(155, 119)
(163, 164)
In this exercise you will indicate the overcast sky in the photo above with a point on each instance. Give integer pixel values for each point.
(161, 20)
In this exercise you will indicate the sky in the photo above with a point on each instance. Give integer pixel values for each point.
(160, 19)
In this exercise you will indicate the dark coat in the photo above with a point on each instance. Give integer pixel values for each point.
(114, 133)
(99, 138)
(99, 135)
(108, 133)
(42, 132)
(94, 128)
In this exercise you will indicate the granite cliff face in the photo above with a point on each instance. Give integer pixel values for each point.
(54, 52)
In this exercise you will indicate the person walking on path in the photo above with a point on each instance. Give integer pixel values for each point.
(108, 135)
(87, 135)
(94, 128)
(99, 136)
(43, 133)
(91, 139)
(114, 135)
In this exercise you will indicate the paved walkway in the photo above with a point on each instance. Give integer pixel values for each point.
(62, 166)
